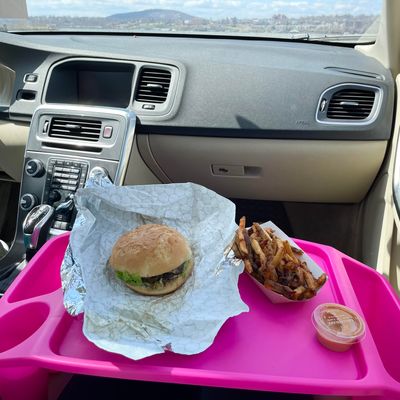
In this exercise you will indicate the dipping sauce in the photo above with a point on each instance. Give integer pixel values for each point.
(338, 327)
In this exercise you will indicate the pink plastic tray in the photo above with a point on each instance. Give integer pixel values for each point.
(271, 348)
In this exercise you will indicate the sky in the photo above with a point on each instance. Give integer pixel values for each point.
(205, 8)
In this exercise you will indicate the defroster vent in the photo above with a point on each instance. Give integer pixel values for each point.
(153, 85)
(351, 104)
(75, 129)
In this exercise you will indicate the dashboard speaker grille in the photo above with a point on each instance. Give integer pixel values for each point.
(75, 129)
(351, 104)
(153, 85)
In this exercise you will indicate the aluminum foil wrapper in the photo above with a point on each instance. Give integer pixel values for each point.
(121, 321)
(71, 272)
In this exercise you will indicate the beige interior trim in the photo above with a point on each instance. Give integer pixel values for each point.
(13, 9)
(148, 157)
(387, 44)
(137, 172)
(284, 170)
(7, 78)
(394, 270)
(388, 261)
(13, 138)
(371, 224)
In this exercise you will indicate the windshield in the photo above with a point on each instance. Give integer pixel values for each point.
(329, 20)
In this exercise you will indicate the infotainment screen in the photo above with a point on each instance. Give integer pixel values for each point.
(103, 88)
(94, 83)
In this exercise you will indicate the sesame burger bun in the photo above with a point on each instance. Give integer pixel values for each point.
(151, 250)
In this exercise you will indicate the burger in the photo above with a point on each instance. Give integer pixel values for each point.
(152, 259)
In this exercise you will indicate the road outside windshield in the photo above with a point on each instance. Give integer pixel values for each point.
(328, 20)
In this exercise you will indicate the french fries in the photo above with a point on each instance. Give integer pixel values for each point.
(275, 263)
(241, 242)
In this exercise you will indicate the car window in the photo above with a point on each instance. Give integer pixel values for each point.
(330, 20)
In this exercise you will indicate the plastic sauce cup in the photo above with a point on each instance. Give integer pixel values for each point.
(338, 327)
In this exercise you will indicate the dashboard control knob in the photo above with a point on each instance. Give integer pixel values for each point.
(54, 196)
(34, 168)
(28, 201)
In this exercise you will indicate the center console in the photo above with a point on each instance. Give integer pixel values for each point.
(61, 179)
(65, 143)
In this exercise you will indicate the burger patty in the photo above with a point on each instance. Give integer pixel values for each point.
(156, 281)
(167, 276)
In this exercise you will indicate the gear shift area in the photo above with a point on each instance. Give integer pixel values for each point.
(36, 227)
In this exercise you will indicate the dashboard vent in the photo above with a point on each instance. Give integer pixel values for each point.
(351, 104)
(76, 129)
(153, 85)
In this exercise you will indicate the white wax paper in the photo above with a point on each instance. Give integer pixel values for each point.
(122, 321)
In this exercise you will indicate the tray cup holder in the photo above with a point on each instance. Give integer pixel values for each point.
(381, 312)
(21, 323)
(43, 277)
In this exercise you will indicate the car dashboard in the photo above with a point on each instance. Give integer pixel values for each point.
(249, 118)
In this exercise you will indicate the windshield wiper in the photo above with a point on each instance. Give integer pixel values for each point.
(349, 38)
(304, 37)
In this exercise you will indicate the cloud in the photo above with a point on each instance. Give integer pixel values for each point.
(288, 4)
(205, 8)
(342, 7)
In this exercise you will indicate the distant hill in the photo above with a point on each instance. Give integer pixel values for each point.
(152, 16)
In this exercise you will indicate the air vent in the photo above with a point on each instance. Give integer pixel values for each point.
(153, 85)
(351, 104)
(75, 129)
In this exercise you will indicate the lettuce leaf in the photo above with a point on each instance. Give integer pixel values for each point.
(132, 279)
